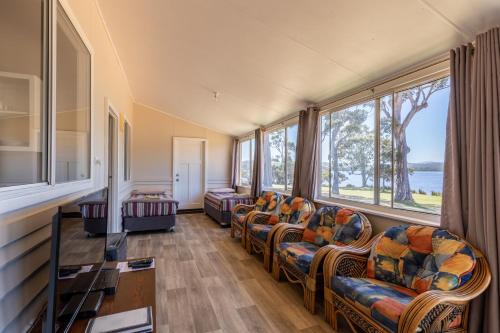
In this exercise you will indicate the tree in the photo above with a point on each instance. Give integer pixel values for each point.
(407, 104)
(360, 155)
(343, 129)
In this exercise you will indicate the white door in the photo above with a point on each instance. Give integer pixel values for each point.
(189, 172)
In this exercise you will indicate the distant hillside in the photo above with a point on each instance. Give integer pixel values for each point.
(426, 166)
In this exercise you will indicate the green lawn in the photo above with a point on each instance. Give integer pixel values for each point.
(422, 202)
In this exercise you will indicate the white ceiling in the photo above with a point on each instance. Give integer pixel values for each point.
(269, 58)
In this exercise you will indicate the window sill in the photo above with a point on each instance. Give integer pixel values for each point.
(24, 197)
(386, 212)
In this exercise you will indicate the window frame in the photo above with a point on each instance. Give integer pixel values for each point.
(283, 125)
(421, 76)
(21, 196)
(249, 138)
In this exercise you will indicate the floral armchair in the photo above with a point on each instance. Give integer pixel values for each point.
(300, 250)
(268, 202)
(408, 279)
(261, 227)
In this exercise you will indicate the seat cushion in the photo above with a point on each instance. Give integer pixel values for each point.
(260, 230)
(421, 258)
(382, 301)
(298, 254)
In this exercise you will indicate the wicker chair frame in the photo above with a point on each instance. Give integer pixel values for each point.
(313, 281)
(236, 229)
(431, 311)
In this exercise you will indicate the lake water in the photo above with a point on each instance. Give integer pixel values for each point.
(427, 181)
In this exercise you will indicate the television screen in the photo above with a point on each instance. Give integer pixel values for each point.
(78, 253)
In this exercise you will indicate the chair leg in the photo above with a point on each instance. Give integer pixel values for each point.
(330, 311)
(248, 244)
(310, 299)
(267, 259)
(232, 230)
(276, 269)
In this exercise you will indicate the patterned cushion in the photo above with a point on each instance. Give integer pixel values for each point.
(333, 225)
(260, 230)
(421, 258)
(299, 254)
(268, 201)
(293, 210)
(382, 301)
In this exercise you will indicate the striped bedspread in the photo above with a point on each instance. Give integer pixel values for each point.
(225, 201)
(94, 210)
(142, 204)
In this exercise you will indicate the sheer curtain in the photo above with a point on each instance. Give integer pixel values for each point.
(471, 193)
(305, 176)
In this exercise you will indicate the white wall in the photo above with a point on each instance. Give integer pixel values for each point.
(152, 149)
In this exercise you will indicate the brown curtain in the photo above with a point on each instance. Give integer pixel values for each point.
(256, 188)
(306, 157)
(471, 195)
(235, 163)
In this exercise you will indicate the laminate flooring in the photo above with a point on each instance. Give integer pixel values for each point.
(206, 282)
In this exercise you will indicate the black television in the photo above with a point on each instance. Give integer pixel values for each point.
(76, 268)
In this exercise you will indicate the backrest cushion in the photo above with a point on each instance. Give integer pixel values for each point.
(268, 201)
(333, 225)
(293, 210)
(421, 258)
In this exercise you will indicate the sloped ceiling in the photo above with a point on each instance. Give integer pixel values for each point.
(269, 58)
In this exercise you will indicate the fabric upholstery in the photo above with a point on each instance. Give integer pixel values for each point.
(268, 201)
(239, 218)
(293, 210)
(333, 225)
(298, 254)
(260, 230)
(421, 258)
(382, 301)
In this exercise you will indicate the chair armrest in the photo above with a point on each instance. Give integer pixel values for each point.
(289, 233)
(258, 217)
(434, 310)
(347, 261)
(242, 209)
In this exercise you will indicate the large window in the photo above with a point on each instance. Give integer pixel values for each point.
(279, 158)
(247, 148)
(23, 82)
(72, 103)
(388, 150)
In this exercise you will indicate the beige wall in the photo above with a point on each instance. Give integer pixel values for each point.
(152, 135)
(25, 233)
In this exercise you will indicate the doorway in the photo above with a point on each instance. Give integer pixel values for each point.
(112, 171)
(189, 172)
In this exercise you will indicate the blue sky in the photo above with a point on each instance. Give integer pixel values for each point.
(426, 133)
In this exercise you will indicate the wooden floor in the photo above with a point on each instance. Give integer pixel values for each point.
(206, 282)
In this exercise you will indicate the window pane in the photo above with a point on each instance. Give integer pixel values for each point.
(23, 125)
(325, 156)
(385, 181)
(352, 152)
(245, 169)
(72, 103)
(274, 160)
(419, 140)
(252, 154)
(291, 146)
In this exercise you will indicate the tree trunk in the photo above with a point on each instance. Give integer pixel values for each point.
(268, 171)
(335, 169)
(403, 190)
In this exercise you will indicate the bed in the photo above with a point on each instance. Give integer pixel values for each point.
(218, 204)
(94, 210)
(147, 211)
